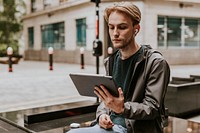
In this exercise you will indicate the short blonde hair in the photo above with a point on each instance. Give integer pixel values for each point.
(125, 7)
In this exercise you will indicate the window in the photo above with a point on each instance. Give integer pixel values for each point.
(161, 31)
(30, 37)
(47, 3)
(53, 36)
(174, 31)
(33, 5)
(81, 32)
(191, 34)
(178, 32)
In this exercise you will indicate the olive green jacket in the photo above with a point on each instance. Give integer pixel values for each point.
(144, 105)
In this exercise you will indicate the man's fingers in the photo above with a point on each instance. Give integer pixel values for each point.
(98, 94)
(105, 121)
(106, 92)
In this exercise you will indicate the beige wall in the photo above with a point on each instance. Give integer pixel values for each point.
(154, 8)
(148, 34)
(71, 52)
(181, 56)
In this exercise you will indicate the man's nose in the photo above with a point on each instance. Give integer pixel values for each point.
(116, 32)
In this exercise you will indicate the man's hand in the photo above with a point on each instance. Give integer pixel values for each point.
(116, 104)
(105, 122)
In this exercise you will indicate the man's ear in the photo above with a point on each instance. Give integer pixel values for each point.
(137, 28)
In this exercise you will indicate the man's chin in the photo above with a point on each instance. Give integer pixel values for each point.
(117, 45)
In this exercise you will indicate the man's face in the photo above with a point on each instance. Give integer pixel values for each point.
(121, 30)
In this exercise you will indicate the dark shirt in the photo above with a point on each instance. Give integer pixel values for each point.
(122, 71)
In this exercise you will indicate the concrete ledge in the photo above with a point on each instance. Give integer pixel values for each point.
(8, 126)
(183, 100)
(78, 112)
(182, 80)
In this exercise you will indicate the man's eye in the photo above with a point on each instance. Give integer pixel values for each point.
(110, 27)
(122, 27)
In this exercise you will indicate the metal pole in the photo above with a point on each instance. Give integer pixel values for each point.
(82, 57)
(50, 61)
(97, 37)
(10, 63)
(50, 52)
(97, 34)
(97, 20)
(9, 53)
(82, 61)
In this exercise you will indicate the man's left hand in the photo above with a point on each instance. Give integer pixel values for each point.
(116, 104)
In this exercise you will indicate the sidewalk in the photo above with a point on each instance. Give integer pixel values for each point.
(31, 84)
(185, 70)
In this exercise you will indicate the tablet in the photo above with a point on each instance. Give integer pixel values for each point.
(85, 83)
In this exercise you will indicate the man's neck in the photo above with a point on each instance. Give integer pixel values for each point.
(129, 51)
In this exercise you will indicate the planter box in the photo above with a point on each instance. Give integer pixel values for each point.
(183, 100)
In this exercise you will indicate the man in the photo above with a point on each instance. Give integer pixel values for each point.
(141, 74)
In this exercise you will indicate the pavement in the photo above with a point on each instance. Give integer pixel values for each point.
(32, 84)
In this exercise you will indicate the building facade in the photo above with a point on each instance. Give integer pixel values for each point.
(171, 26)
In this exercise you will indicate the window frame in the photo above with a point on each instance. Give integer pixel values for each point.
(53, 35)
(81, 35)
(30, 37)
(163, 29)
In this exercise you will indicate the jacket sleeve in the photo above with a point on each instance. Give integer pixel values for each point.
(156, 83)
(102, 109)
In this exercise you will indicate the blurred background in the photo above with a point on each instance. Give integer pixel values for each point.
(43, 41)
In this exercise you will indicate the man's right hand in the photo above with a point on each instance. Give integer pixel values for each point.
(105, 121)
